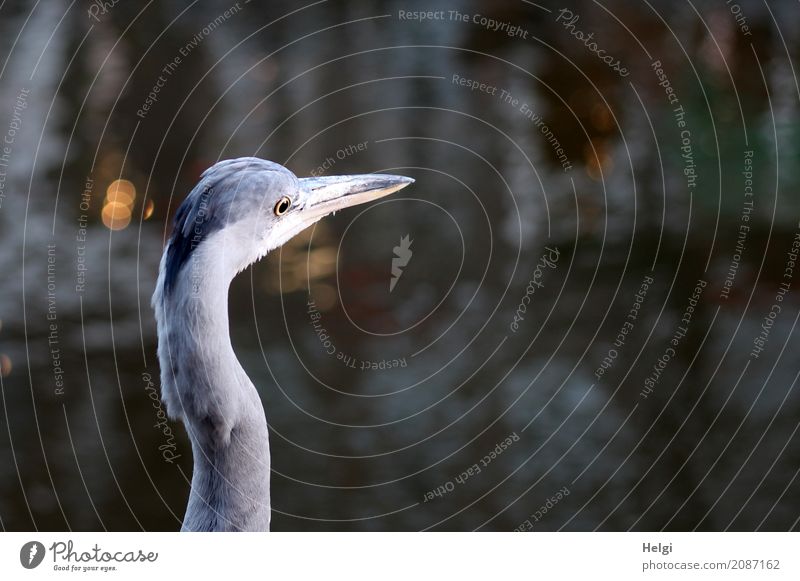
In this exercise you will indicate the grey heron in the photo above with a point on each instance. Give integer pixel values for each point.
(239, 211)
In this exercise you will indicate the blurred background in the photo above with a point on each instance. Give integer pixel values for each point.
(595, 326)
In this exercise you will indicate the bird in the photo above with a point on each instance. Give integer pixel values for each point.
(239, 210)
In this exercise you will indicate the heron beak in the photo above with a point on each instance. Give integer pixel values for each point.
(332, 193)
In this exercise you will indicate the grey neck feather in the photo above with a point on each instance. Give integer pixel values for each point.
(204, 385)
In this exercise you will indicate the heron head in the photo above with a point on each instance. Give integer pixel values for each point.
(243, 208)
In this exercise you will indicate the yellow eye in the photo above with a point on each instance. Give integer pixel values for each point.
(283, 206)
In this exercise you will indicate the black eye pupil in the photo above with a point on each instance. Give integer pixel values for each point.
(283, 206)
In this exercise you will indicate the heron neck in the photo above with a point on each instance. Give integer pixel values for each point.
(223, 415)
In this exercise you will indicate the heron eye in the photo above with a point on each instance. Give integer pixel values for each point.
(283, 206)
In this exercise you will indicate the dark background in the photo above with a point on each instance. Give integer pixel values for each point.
(713, 447)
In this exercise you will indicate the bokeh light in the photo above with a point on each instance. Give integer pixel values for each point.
(118, 204)
(116, 216)
(5, 365)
